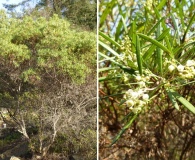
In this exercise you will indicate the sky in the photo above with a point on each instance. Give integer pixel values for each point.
(8, 2)
(14, 2)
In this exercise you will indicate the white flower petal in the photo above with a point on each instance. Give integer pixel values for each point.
(145, 96)
(180, 68)
(130, 103)
(171, 68)
(138, 78)
(190, 63)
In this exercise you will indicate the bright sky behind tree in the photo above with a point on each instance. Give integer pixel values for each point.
(13, 2)
(9, 2)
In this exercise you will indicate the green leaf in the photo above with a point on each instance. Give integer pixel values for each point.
(163, 35)
(133, 36)
(138, 54)
(115, 95)
(124, 68)
(155, 42)
(173, 99)
(109, 49)
(108, 58)
(124, 25)
(107, 69)
(132, 119)
(188, 55)
(106, 37)
(181, 99)
(161, 4)
(159, 52)
(181, 14)
(150, 51)
(108, 78)
(128, 70)
(175, 27)
(107, 11)
(155, 26)
(118, 30)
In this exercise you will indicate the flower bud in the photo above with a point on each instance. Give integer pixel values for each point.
(171, 68)
(138, 78)
(190, 63)
(136, 109)
(134, 95)
(142, 84)
(130, 103)
(180, 68)
(145, 96)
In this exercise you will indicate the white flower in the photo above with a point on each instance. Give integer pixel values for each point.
(131, 94)
(130, 103)
(145, 96)
(125, 78)
(180, 68)
(142, 84)
(193, 71)
(171, 68)
(140, 92)
(134, 95)
(136, 109)
(138, 78)
(189, 76)
(141, 103)
(147, 78)
(190, 63)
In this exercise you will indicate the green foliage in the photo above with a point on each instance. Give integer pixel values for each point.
(84, 145)
(9, 138)
(83, 13)
(35, 46)
(155, 42)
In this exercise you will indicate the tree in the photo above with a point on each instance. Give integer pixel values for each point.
(79, 12)
(39, 59)
(146, 59)
(83, 13)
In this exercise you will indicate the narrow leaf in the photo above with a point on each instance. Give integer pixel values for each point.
(108, 48)
(161, 4)
(118, 29)
(138, 54)
(109, 39)
(124, 129)
(188, 27)
(108, 58)
(107, 11)
(159, 52)
(133, 36)
(108, 78)
(158, 44)
(155, 26)
(173, 99)
(106, 69)
(185, 102)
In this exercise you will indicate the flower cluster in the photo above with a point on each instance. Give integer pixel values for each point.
(136, 99)
(149, 4)
(185, 72)
(127, 54)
